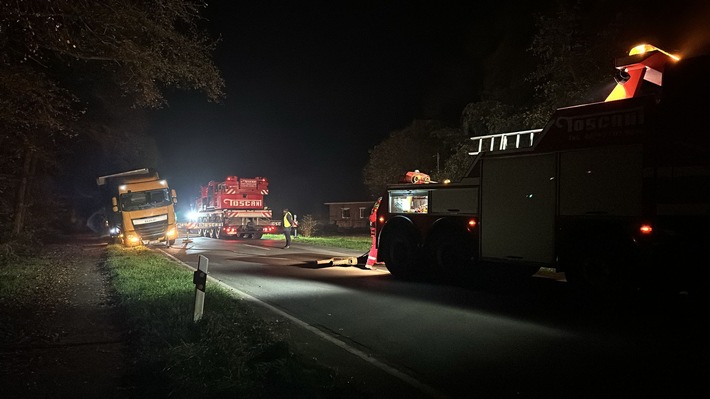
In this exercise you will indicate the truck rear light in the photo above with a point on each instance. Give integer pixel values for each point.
(381, 219)
(472, 223)
(645, 229)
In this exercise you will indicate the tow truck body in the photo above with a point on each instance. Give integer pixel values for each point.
(614, 194)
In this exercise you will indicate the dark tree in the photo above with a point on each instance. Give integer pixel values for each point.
(68, 67)
(423, 145)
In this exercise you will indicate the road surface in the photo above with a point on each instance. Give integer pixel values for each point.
(524, 339)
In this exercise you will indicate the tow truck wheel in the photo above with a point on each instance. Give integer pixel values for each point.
(600, 269)
(400, 251)
(450, 252)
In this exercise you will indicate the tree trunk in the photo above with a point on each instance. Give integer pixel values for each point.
(22, 189)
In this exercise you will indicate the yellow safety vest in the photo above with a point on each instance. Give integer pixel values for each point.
(286, 222)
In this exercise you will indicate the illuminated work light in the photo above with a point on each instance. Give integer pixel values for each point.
(645, 48)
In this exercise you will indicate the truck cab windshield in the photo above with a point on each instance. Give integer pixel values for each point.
(145, 199)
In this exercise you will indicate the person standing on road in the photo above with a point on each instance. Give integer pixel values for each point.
(288, 223)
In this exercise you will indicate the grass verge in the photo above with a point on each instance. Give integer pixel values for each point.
(360, 243)
(231, 352)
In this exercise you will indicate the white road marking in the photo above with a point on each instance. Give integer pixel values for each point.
(257, 247)
(362, 355)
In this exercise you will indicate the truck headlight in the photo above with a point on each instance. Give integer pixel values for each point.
(171, 233)
(133, 239)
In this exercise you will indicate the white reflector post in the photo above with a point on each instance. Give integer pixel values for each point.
(200, 280)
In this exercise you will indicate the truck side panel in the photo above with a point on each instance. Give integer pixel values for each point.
(455, 200)
(601, 181)
(518, 197)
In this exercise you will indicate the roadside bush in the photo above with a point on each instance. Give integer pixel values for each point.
(328, 230)
(307, 226)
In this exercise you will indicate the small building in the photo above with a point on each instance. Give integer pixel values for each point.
(350, 215)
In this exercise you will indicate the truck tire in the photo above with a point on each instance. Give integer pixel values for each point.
(400, 251)
(601, 268)
(257, 236)
(450, 254)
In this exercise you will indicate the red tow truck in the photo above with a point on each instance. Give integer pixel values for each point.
(234, 208)
(615, 194)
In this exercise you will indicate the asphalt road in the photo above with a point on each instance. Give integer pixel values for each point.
(525, 339)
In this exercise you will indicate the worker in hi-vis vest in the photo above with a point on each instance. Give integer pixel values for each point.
(288, 223)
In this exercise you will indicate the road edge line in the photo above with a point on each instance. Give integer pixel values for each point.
(354, 351)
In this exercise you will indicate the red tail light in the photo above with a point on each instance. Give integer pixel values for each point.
(472, 223)
(645, 229)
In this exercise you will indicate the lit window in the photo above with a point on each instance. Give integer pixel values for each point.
(409, 201)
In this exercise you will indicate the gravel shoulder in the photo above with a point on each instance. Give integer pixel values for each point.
(67, 341)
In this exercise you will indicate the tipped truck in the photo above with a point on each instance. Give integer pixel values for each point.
(140, 207)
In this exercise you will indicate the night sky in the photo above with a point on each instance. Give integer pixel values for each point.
(312, 86)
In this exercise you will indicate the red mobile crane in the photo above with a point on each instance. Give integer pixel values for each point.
(234, 208)
(615, 194)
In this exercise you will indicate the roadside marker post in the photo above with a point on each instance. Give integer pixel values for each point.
(199, 278)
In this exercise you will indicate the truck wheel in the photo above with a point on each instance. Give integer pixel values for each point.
(451, 253)
(600, 268)
(401, 252)
(257, 236)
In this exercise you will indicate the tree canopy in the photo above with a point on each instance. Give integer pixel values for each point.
(566, 59)
(73, 72)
